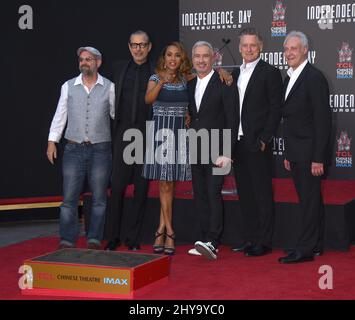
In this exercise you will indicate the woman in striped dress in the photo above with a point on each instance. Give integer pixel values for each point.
(166, 157)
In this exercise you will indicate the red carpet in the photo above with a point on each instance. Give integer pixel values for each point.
(231, 277)
(334, 192)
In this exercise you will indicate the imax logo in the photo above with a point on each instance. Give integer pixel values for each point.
(113, 281)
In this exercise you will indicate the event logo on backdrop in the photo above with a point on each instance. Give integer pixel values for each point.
(278, 147)
(278, 60)
(343, 157)
(215, 20)
(345, 66)
(342, 102)
(330, 14)
(278, 24)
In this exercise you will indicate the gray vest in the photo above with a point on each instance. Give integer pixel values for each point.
(88, 114)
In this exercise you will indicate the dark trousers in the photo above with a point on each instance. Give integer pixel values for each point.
(208, 202)
(253, 176)
(311, 207)
(123, 175)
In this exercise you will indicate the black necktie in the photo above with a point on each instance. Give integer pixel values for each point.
(135, 96)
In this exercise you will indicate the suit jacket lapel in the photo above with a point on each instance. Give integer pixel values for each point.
(120, 81)
(208, 91)
(118, 92)
(252, 79)
(298, 81)
(235, 74)
(286, 81)
(151, 66)
(192, 84)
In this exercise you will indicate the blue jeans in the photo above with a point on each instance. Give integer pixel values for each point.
(80, 161)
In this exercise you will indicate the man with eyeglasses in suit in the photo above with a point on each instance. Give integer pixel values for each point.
(85, 106)
(131, 78)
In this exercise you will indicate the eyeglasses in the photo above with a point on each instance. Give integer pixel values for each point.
(87, 59)
(141, 45)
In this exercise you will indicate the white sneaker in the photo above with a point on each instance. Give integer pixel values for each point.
(194, 252)
(206, 249)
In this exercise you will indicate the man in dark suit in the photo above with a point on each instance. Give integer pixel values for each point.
(307, 126)
(260, 95)
(213, 105)
(131, 79)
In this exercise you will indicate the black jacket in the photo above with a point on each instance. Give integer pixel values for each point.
(307, 117)
(261, 110)
(219, 108)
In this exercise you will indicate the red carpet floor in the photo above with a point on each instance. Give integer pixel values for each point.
(334, 192)
(231, 277)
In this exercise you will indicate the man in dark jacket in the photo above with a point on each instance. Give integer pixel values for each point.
(307, 126)
(131, 79)
(260, 95)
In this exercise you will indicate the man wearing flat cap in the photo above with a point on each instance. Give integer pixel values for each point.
(85, 106)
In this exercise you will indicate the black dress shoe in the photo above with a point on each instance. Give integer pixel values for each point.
(242, 247)
(289, 251)
(257, 251)
(296, 257)
(112, 245)
(134, 247)
(317, 252)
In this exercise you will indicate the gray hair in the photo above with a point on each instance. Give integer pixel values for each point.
(300, 35)
(139, 33)
(200, 44)
(251, 32)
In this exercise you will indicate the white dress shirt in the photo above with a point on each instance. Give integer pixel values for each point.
(201, 86)
(246, 70)
(61, 115)
(294, 74)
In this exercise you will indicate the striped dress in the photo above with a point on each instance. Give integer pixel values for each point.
(166, 155)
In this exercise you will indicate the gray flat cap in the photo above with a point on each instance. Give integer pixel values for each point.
(92, 50)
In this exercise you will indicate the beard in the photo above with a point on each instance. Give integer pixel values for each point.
(85, 70)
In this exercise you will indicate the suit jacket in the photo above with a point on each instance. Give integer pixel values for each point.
(261, 110)
(119, 72)
(307, 117)
(219, 108)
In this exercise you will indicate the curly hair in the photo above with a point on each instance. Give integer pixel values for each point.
(186, 65)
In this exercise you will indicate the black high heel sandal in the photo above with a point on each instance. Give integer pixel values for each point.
(170, 250)
(158, 248)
